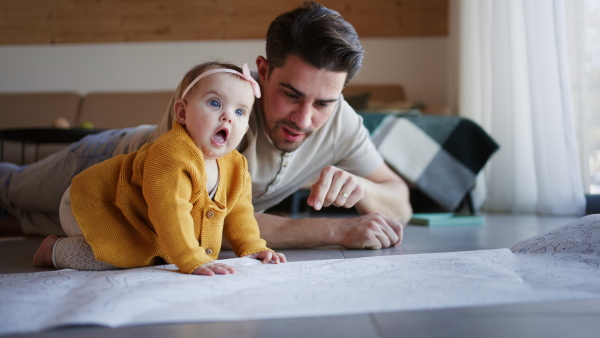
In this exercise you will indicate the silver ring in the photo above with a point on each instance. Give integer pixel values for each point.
(343, 194)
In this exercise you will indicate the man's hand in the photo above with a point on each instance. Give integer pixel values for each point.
(371, 231)
(335, 187)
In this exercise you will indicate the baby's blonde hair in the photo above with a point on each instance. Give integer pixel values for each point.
(169, 116)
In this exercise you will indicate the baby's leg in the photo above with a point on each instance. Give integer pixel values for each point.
(72, 252)
(68, 253)
(75, 253)
(43, 256)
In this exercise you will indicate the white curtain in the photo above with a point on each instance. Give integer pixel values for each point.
(512, 77)
(583, 19)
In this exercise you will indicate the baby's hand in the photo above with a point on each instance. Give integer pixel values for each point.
(269, 257)
(212, 268)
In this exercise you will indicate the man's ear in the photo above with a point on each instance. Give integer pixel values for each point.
(262, 65)
(179, 109)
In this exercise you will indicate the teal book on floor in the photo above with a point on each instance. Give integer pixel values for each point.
(446, 219)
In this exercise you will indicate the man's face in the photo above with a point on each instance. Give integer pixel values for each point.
(297, 100)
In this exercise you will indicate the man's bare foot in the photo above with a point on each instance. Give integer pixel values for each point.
(43, 256)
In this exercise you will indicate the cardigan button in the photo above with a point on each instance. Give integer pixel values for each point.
(210, 214)
(208, 251)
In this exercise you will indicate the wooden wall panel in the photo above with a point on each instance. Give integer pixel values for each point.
(89, 21)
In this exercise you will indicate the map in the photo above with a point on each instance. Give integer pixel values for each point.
(559, 265)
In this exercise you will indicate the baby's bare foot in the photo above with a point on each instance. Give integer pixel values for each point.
(43, 256)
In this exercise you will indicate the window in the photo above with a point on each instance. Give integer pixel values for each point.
(583, 23)
(592, 65)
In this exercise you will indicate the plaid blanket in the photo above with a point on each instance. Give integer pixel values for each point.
(440, 155)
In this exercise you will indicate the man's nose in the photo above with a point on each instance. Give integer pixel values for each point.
(302, 116)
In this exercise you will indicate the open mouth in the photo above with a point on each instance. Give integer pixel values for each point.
(220, 137)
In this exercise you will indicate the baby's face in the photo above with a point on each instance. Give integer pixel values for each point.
(217, 112)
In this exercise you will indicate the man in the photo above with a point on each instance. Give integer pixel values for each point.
(301, 128)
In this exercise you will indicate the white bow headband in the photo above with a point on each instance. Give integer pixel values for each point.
(244, 75)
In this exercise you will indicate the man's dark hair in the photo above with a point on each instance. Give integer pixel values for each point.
(319, 36)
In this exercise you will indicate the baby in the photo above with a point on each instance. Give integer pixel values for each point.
(174, 199)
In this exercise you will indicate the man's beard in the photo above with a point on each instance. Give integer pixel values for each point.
(279, 140)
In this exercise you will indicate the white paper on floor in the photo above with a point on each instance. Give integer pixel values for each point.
(562, 264)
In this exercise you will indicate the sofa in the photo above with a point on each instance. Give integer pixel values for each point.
(102, 110)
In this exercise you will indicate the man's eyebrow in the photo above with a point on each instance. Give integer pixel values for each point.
(301, 94)
(292, 88)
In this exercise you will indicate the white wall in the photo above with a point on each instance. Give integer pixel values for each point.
(420, 64)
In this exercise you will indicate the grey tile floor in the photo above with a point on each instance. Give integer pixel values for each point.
(552, 319)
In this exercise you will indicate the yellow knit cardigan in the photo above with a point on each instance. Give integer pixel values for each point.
(152, 205)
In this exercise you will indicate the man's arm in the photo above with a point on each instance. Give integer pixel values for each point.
(386, 193)
(381, 197)
(372, 231)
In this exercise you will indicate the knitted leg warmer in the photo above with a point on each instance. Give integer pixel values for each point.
(75, 253)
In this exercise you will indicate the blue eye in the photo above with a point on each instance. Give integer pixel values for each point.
(215, 103)
(239, 112)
